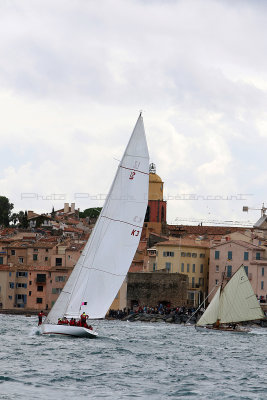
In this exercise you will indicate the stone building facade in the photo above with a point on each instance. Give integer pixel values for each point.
(151, 289)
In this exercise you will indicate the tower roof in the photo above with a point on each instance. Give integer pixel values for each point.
(154, 178)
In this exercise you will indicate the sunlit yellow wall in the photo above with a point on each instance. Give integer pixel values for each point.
(120, 301)
(177, 260)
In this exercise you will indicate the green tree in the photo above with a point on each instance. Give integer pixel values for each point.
(53, 213)
(14, 218)
(24, 221)
(5, 210)
(21, 217)
(91, 212)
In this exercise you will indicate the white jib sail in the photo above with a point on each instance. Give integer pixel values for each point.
(237, 301)
(107, 256)
(210, 316)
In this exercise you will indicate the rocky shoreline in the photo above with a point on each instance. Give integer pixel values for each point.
(168, 318)
(172, 319)
(27, 313)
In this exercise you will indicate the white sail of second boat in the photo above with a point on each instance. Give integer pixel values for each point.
(234, 303)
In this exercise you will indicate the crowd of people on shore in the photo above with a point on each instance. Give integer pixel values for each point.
(159, 309)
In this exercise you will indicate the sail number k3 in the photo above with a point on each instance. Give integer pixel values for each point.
(135, 232)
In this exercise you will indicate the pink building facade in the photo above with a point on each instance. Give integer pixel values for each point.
(227, 257)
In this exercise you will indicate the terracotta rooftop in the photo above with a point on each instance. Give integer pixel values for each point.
(7, 231)
(185, 242)
(33, 215)
(72, 221)
(71, 229)
(203, 230)
(19, 244)
(45, 245)
(29, 237)
(50, 239)
(6, 240)
(75, 247)
(241, 243)
(22, 244)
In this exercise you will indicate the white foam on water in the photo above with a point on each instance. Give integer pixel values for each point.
(258, 331)
(34, 331)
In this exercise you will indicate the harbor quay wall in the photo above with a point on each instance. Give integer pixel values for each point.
(150, 289)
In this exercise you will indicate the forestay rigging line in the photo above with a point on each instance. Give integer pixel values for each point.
(123, 222)
(102, 270)
(136, 170)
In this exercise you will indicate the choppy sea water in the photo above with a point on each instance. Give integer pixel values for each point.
(131, 360)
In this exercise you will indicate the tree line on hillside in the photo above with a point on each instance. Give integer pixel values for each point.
(91, 213)
(21, 218)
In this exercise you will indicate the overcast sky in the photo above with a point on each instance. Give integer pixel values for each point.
(75, 73)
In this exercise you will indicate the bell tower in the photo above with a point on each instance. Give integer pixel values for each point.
(155, 217)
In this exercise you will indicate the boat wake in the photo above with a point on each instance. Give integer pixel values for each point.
(35, 331)
(258, 331)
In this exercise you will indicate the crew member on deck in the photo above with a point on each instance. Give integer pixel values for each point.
(40, 318)
(83, 319)
(217, 324)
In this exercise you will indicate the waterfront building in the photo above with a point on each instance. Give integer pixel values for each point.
(13, 287)
(45, 285)
(227, 256)
(186, 256)
(31, 288)
(33, 272)
(148, 289)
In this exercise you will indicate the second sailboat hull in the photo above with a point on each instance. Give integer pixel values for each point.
(238, 329)
(75, 331)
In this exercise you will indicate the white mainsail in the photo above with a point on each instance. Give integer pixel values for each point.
(236, 302)
(107, 256)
